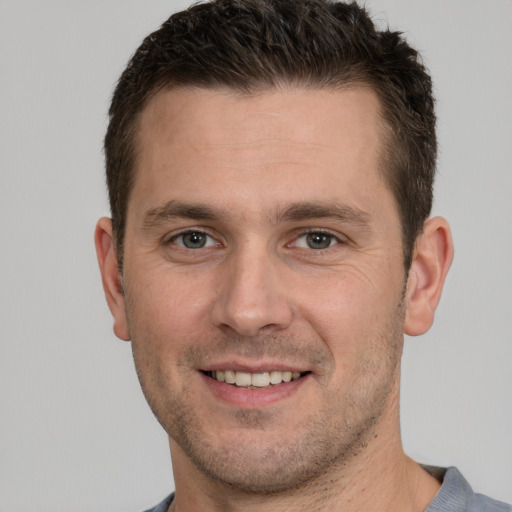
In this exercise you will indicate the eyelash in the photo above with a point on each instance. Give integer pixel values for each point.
(333, 240)
(174, 238)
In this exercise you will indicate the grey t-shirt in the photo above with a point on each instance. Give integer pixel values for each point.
(455, 495)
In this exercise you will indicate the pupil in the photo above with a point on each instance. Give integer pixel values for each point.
(194, 240)
(318, 240)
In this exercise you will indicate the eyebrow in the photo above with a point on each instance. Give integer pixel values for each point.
(321, 210)
(175, 209)
(294, 212)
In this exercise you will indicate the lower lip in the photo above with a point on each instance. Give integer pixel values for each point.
(253, 398)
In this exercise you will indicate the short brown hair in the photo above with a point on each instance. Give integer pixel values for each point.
(249, 45)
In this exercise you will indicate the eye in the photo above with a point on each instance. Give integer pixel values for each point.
(194, 240)
(316, 240)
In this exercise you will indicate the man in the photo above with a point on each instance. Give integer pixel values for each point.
(270, 167)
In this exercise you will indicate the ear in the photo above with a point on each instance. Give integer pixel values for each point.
(111, 276)
(433, 254)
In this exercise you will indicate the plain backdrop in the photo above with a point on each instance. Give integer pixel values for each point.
(75, 432)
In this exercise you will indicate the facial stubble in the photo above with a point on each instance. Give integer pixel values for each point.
(251, 459)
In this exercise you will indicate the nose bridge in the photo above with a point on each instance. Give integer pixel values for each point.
(252, 292)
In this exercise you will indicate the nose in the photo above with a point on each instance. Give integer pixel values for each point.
(253, 294)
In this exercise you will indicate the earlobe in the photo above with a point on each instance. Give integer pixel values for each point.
(433, 254)
(111, 276)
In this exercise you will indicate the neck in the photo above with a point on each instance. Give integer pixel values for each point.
(379, 478)
(402, 486)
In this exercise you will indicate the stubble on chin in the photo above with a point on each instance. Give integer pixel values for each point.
(253, 461)
(251, 458)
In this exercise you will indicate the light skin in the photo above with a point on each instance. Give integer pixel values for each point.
(261, 237)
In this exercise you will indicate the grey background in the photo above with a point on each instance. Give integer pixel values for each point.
(75, 432)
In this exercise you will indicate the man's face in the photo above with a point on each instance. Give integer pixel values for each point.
(262, 244)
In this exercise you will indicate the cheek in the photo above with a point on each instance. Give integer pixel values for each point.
(167, 306)
(163, 318)
(352, 313)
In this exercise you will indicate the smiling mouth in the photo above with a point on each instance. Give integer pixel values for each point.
(254, 380)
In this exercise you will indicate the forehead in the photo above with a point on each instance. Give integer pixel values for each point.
(300, 112)
(281, 144)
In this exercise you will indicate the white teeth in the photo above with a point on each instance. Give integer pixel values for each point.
(260, 380)
(243, 379)
(257, 380)
(287, 376)
(230, 377)
(276, 377)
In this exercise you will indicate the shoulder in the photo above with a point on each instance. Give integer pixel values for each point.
(163, 505)
(456, 495)
(484, 503)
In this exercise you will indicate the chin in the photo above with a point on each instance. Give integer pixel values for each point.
(261, 460)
